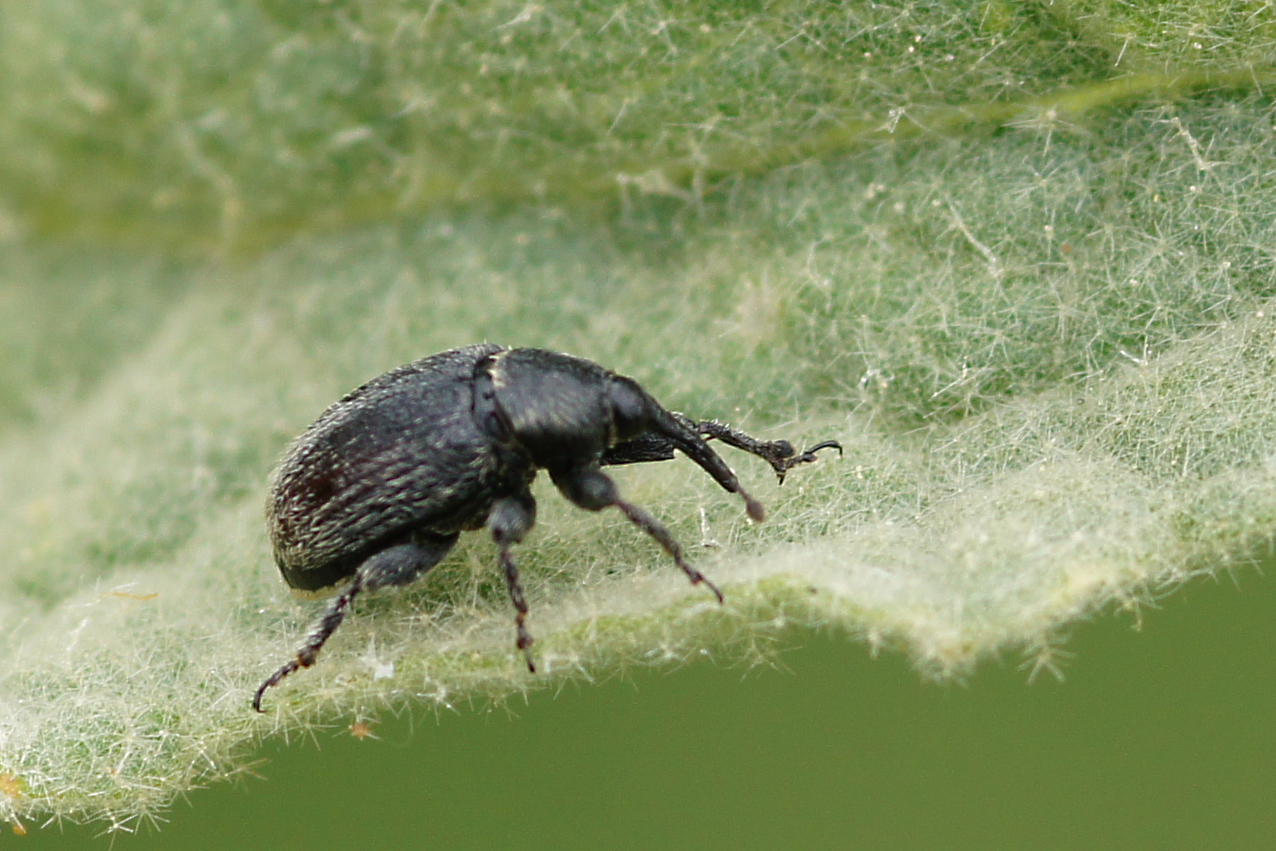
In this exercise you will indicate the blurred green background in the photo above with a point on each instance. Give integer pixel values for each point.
(1160, 737)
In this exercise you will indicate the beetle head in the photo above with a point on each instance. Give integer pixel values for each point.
(631, 409)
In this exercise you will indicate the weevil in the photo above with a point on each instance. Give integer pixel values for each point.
(380, 487)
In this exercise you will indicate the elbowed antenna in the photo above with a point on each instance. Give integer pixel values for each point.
(695, 448)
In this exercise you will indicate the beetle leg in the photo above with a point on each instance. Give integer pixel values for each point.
(305, 657)
(780, 454)
(510, 520)
(519, 599)
(655, 529)
(659, 446)
(592, 489)
(395, 565)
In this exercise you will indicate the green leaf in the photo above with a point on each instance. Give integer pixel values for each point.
(1017, 258)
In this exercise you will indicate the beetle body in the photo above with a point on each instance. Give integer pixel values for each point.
(403, 452)
(381, 485)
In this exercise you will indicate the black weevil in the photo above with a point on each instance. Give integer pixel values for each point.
(382, 484)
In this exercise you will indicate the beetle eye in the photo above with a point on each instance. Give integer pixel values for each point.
(630, 407)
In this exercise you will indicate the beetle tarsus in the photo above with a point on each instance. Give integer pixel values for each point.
(309, 651)
(698, 578)
(807, 457)
(274, 680)
(527, 654)
(653, 527)
(524, 641)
